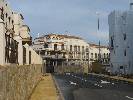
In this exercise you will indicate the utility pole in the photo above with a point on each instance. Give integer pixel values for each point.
(99, 57)
(98, 28)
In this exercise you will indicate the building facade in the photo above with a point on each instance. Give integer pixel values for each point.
(120, 41)
(14, 34)
(99, 53)
(61, 48)
(71, 49)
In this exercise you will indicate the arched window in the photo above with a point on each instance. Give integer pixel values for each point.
(55, 46)
(79, 48)
(96, 55)
(104, 55)
(62, 47)
(92, 55)
(70, 47)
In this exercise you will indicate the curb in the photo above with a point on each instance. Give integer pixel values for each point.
(111, 77)
(61, 97)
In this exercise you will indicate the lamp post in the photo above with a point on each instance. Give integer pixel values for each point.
(98, 28)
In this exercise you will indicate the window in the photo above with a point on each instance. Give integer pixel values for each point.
(121, 67)
(87, 49)
(104, 55)
(107, 55)
(70, 47)
(75, 48)
(9, 18)
(62, 47)
(2, 13)
(96, 55)
(29, 57)
(125, 53)
(91, 55)
(6, 15)
(45, 45)
(55, 46)
(112, 42)
(124, 35)
(82, 48)
(79, 48)
(24, 55)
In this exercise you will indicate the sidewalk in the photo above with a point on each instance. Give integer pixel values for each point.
(45, 90)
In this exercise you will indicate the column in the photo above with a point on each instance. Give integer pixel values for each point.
(27, 53)
(20, 49)
(2, 42)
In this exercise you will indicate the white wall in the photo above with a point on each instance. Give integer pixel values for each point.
(121, 23)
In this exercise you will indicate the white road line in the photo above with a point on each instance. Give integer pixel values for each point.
(72, 83)
(104, 82)
(113, 83)
(95, 84)
(129, 97)
(101, 86)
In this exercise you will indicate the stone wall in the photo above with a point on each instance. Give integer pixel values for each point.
(18, 82)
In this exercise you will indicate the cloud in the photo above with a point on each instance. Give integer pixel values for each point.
(76, 16)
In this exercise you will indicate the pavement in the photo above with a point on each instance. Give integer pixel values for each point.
(45, 90)
(93, 87)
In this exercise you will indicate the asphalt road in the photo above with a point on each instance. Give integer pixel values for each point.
(90, 87)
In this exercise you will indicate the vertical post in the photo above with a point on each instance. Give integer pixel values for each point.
(2, 42)
(99, 57)
(27, 53)
(98, 28)
(20, 49)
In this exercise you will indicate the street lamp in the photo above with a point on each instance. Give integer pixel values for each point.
(98, 28)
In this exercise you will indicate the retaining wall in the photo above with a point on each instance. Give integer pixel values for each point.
(18, 82)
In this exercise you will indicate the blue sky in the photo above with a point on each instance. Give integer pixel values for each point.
(77, 17)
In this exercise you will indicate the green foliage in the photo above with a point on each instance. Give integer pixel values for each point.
(97, 67)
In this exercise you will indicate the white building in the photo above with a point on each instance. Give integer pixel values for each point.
(71, 49)
(14, 35)
(96, 51)
(121, 41)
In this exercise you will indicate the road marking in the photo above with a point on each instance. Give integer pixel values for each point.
(95, 84)
(104, 82)
(101, 86)
(129, 97)
(72, 83)
(113, 83)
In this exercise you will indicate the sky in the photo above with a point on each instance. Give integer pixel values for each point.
(71, 17)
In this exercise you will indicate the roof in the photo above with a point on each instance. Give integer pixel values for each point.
(60, 35)
(97, 46)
